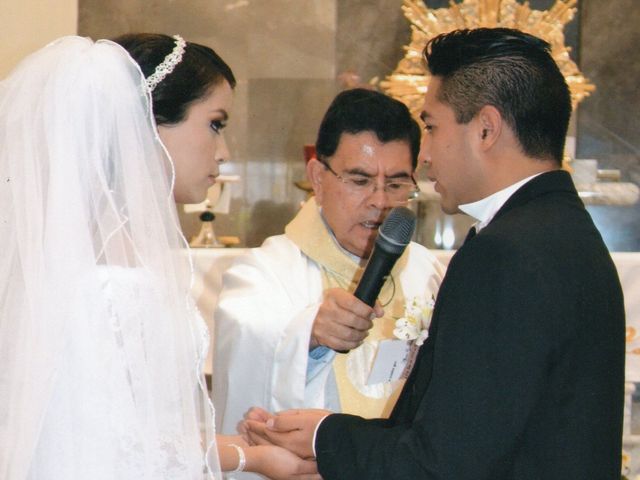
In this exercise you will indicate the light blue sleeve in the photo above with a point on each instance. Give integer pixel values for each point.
(318, 358)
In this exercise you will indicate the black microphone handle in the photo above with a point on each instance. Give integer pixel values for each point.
(375, 273)
(393, 237)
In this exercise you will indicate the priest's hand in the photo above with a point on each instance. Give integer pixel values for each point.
(291, 429)
(343, 321)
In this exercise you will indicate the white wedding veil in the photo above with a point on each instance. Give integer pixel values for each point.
(101, 346)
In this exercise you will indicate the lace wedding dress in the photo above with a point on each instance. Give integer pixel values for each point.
(101, 347)
(105, 389)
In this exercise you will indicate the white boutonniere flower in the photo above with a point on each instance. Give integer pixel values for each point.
(415, 322)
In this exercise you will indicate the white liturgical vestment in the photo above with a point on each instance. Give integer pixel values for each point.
(263, 322)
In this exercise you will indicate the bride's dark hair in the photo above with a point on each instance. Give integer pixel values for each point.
(200, 69)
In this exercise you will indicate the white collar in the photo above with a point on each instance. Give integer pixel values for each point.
(485, 209)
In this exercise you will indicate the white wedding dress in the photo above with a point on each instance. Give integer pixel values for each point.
(101, 346)
(95, 426)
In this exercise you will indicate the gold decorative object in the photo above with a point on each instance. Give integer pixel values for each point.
(408, 83)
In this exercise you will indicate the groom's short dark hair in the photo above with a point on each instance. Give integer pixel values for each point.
(512, 71)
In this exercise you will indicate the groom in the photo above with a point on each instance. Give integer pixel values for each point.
(522, 374)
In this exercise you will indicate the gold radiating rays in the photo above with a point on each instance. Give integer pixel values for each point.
(408, 82)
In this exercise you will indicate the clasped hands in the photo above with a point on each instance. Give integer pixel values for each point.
(292, 429)
(341, 323)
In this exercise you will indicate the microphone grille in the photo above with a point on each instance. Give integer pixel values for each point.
(398, 227)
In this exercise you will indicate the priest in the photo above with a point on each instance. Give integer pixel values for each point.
(287, 307)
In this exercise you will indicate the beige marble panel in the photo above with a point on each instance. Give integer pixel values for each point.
(608, 120)
(370, 37)
(292, 39)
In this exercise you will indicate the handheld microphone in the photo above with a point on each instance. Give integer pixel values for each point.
(393, 237)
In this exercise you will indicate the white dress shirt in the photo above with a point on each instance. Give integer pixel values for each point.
(484, 210)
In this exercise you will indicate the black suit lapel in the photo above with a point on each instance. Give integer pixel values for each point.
(552, 181)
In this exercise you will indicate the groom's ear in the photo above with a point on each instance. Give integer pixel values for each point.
(488, 126)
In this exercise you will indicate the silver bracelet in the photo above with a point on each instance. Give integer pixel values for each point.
(242, 460)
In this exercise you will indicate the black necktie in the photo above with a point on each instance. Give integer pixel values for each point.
(470, 234)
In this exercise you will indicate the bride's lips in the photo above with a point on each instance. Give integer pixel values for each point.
(212, 179)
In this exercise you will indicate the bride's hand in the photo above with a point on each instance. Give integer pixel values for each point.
(235, 439)
(280, 464)
(255, 414)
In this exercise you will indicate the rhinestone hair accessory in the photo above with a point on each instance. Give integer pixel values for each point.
(168, 64)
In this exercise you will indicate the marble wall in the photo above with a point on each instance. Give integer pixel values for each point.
(292, 56)
(609, 121)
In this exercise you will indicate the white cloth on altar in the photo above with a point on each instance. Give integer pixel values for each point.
(263, 322)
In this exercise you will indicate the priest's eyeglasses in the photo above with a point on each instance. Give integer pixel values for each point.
(398, 191)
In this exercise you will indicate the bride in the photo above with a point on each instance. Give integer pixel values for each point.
(101, 345)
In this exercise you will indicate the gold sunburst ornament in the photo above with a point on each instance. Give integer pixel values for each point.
(408, 82)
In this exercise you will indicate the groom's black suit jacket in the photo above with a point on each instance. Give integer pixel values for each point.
(522, 376)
